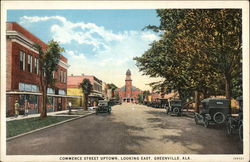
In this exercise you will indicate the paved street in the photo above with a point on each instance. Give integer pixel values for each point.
(130, 129)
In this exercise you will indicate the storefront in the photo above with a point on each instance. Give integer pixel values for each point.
(33, 101)
(57, 100)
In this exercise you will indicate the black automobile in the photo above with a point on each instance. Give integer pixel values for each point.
(103, 106)
(213, 110)
(163, 102)
(174, 107)
(234, 121)
(156, 104)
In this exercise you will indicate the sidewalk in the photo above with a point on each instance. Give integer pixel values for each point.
(57, 113)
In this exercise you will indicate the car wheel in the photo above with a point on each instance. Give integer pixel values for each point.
(176, 111)
(229, 126)
(241, 132)
(219, 117)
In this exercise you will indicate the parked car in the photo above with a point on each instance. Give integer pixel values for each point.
(103, 106)
(118, 102)
(92, 108)
(213, 110)
(155, 104)
(234, 122)
(163, 102)
(174, 107)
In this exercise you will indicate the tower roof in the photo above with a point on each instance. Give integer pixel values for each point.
(128, 72)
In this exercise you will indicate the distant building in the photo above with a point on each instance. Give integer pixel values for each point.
(22, 73)
(128, 93)
(74, 89)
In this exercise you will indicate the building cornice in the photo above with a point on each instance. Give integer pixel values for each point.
(21, 39)
(63, 64)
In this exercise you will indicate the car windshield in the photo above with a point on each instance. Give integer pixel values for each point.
(175, 103)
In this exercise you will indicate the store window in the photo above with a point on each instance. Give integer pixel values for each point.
(50, 104)
(50, 91)
(22, 60)
(33, 103)
(61, 92)
(28, 87)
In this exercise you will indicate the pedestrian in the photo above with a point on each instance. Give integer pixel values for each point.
(26, 107)
(16, 108)
(70, 105)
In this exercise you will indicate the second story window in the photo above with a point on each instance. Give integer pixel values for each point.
(22, 60)
(61, 76)
(65, 77)
(29, 63)
(53, 74)
(36, 65)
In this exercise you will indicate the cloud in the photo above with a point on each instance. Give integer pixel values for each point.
(81, 32)
(32, 19)
(107, 54)
(149, 36)
(76, 55)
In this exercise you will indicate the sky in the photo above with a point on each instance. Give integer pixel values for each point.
(102, 43)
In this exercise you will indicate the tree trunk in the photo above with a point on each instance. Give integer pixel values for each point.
(86, 102)
(44, 103)
(83, 102)
(197, 101)
(228, 92)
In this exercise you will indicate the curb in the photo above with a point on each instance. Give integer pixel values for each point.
(49, 126)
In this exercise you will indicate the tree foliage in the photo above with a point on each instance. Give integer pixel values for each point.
(113, 87)
(87, 88)
(199, 50)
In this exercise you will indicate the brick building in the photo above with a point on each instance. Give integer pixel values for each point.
(22, 73)
(73, 89)
(128, 93)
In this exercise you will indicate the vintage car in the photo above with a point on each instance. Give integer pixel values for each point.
(163, 102)
(174, 107)
(234, 121)
(213, 110)
(103, 106)
(155, 104)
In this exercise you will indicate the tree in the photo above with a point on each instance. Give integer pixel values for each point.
(117, 97)
(145, 95)
(140, 98)
(199, 51)
(113, 88)
(48, 63)
(87, 88)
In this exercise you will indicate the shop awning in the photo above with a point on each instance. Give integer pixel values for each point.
(98, 97)
(39, 94)
(28, 93)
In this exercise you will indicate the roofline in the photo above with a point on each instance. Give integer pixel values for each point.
(13, 22)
